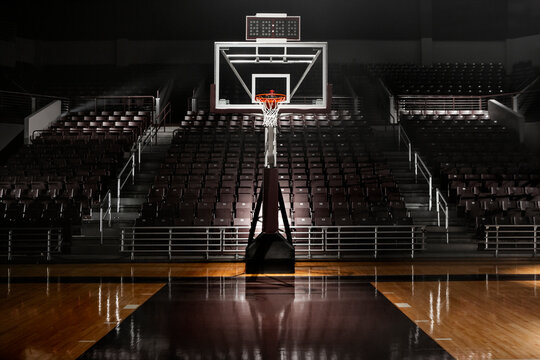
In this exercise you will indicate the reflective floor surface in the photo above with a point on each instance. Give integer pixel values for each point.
(365, 310)
(474, 319)
(311, 268)
(267, 318)
(53, 320)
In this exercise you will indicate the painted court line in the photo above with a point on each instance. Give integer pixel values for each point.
(403, 305)
(131, 306)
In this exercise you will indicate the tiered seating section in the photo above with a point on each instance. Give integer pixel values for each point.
(56, 180)
(492, 177)
(328, 175)
(442, 78)
(100, 123)
(197, 122)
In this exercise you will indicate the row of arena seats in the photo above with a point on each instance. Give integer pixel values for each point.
(106, 122)
(326, 177)
(74, 175)
(452, 129)
(61, 212)
(286, 122)
(57, 179)
(486, 171)
(417, 114)
(442, 79)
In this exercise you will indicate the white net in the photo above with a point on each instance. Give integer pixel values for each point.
(270, 110)
(270, 104)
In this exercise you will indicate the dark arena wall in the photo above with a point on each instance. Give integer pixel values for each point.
(105, 32)
(390, 209)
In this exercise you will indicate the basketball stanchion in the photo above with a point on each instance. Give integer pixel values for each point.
(272, 57)
(270, 252)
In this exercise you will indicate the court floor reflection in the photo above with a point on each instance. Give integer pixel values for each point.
(267, 318)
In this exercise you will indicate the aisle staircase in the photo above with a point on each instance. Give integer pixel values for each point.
(458, 241)
(105, 245)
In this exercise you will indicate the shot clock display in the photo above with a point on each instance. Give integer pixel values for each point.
(272, 27)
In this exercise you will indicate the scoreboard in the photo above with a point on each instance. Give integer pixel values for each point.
(273, 26)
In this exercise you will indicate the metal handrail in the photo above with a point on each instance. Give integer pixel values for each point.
(392, 111)
(385, 88)
(450, 102)
(344, 102)
(420, 165)
(33, 95)
(40, 241)
(466, 102)
(151, 134)
(529, 86)
(442, 206)
(121, 182)
(108, 211)
(27, 103)
(522, 100)
(490, 96)
(511, 238)
(136, 149)
(309, 241)
(402, 136)
(129, 102)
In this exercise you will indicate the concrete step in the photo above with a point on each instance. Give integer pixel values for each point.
(103, 245)
(401, 169)
(125, 201)
(417, 197)
(150, 166)
(413, 187)
(144, 177)
(137, 188)
(154, 155)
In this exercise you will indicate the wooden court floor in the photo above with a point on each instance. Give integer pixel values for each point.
(473, 309)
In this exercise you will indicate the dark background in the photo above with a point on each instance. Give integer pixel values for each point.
(321, 19)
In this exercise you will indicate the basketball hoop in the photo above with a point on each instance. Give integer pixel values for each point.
(270, 103)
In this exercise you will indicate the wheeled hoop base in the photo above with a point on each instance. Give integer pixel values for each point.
(270, 253)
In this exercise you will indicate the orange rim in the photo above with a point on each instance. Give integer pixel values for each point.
(270, 97)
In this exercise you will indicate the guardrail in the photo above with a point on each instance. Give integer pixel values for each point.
(392, 108)
(450, 102)
(105, 209)
(125, 103)
(419, 165)
(345, 103)
(134, 160)
(120, 181)
(403, 137)
(30, 241)
(511, 238)
(530, 94)
(311, 242)
(136, 149)
(150, 135)
(27, 103)
(442, 207)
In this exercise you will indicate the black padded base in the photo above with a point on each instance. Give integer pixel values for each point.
(270, 253)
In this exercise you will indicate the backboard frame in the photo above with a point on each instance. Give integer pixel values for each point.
(257, 57)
